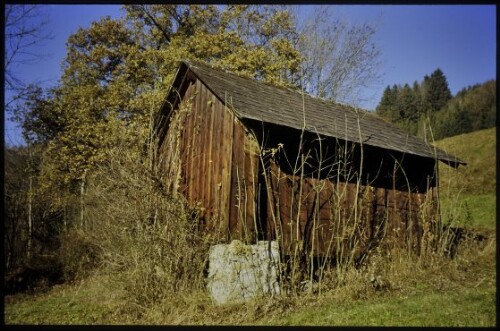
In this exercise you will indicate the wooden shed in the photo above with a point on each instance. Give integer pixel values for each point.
(258, 162)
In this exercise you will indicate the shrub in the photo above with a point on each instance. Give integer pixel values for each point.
(138, 232)
(78, 254)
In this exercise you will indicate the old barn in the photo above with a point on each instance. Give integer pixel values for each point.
(258, 162)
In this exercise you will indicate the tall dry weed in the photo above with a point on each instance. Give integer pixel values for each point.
(145, 238)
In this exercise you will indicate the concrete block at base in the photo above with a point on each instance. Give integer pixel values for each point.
(239, 272)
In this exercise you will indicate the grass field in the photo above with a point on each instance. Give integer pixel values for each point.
(478, 149)
(439, 292)
(474, 307)
(469, 191)
(461, 293)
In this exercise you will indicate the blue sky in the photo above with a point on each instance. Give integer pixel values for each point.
(413, 40)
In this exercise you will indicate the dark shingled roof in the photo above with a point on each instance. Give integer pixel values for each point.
(251, 99)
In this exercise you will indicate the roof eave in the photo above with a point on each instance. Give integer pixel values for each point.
(434, 152)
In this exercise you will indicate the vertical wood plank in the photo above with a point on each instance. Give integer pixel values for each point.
(200, 155)
(236, 170)
(216, 161)
(184, 145)
(227, 145)
(250, 177)
(197, 147)
(189, 144)
(233, 200)
(274, 225)
(209, 150)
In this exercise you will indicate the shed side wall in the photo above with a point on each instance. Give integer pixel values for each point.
(319, 213)
(214, 161)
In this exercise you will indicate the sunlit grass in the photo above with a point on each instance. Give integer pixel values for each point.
(478, 177)
(476, 211)
(470, 307)
(88, 302)
(468, 196)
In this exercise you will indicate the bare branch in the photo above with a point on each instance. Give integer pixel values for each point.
(25, 29)
(339, 59)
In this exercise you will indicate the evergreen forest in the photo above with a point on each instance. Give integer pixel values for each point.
(429, 110)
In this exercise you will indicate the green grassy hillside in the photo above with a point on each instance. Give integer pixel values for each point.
(469, 191)
(478, 149)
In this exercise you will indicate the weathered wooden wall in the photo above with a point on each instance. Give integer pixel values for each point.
(343, 220)
(215, 162)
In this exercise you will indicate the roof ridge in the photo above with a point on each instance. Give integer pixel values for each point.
(210, 66)
(297, 91)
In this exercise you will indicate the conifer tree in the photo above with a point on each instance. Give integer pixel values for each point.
(407, 104)
(387, 107)
(436, 91)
